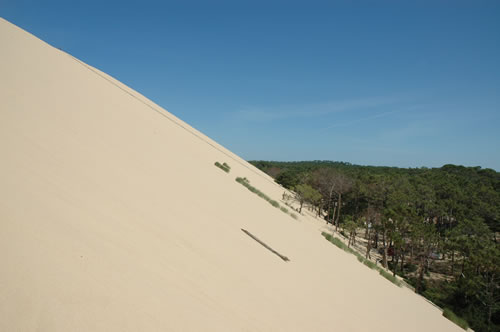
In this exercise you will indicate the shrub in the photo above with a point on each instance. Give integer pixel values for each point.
(225, 167)
(336, 241)
(409, 268)
(243, 181)
(390, 277)
(339, 243)
(246, 183)
(369, 263)
(274, 203)
(448, 313)
(358, 255)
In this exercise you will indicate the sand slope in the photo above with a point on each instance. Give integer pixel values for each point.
(114, 218)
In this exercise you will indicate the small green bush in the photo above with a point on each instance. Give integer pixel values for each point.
(245, 182)
(409, 268)
(448, 313)
(339, 243)
(369, 263)
(327, 236)
(390, 277)
(225, 167)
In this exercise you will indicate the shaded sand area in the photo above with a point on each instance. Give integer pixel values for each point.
(113, 217)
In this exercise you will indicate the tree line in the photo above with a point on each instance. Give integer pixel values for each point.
(435, 227)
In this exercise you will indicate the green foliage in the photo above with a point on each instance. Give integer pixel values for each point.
(451, 191)
(287, 179)
(225, 167)
(328, 236)
(349, 225)
(306, 193)
(448, 313)
(410, 268)
(242, 180)
(336, 241)
(390, 277)
(274, 203)
(370, 264)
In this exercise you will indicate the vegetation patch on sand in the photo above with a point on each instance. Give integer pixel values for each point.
(245, 182)
(448, 313)
(361, 259)
(389, 276)
(225, 167)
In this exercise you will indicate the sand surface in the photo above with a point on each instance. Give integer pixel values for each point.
(113, 217)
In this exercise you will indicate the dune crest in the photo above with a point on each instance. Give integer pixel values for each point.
(113, 217)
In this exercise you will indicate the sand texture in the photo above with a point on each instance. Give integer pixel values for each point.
(113, 217)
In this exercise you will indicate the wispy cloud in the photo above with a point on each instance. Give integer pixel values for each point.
(399, 109)
(264, 114)
(362, 119)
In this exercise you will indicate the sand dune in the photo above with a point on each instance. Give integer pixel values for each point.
(114, 218)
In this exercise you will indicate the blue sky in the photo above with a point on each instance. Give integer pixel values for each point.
(396, 83)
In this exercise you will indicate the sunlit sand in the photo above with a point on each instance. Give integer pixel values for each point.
(113, 217)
